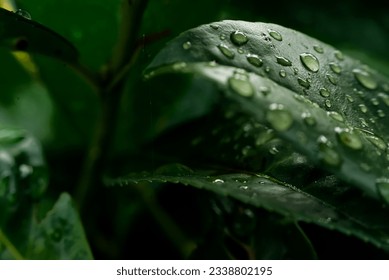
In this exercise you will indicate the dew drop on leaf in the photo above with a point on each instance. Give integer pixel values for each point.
(384, 98)
(187, 45)
(238, 38)
(226, 51)
(282, 73)
(254, 60)
(350, 98)
(331, 79)
(23, 13)
(328, 103)
(304, 83)
(336, 116)
(335, 68)
(222, 37)
(278, 117)
(348, 138)
(218, 181)
(327, 154)
(275, 35)
(376, 141)
(339, 55)
(363, 108)
(214, 26)
(241, 85)
(308, 119)
(374, 101)
(318, 49)
(310, 62)
(283, 61)
(380, 113)
(365, 79)
(324, 92)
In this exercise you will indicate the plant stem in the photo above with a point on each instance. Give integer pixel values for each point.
(10, 247)
(110, 95)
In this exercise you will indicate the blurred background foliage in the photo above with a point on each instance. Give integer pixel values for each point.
(60, 109)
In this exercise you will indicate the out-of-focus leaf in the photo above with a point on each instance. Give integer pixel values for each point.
(265, 192)
(23, 34)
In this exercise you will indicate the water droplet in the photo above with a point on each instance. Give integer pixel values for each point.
(328, 103)
(187, 45)
(241, 51)
(380, 113)
(349, 98)
(318, 49)
(282, 73)
(327, 154)
(336, 116)
(25, 170)
(331, 79)
(264, 90)
(245, 188)
(295, 70)
(308, 119)
(374, 101)
(226, 51)
(179, 66)
(222, 37)
(279, 118)
(339, 55)
(214, 26)
(23, 13)
(310, 62)
(363, 122)
(264, 137)
(363, 108)
(275, 35)
(324, 92)
(384, 97)
(254, 60)
(382, 185)
(283, 61)
(335, 68)
(349, 138)
(238, 38)
(273, 150)
(365, 79)
(218, 181)
(267, 69)
(241, 85)
(376, 141)
(304, 83)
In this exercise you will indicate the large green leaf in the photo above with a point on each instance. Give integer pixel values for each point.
(330, 107)
(273, 195)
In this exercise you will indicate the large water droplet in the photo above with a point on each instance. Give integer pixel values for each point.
(241, 85)
(332, 79)
(304, 83)
(339, 55)
(318, 49)
(226, 51)
(254, 60)
(324, 92)
(308, 119)
(238, 38)
(310, 62)
(349, 138)
(283, 61)
(382, 185)
(279, 118)
(23, 13)
(365, 79)
(187, 45)
(335, 68)
(336, 116)
(327, 154)
(275, 35)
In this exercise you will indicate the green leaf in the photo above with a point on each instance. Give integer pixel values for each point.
(275, 196)
(22, 34)
(330, 107)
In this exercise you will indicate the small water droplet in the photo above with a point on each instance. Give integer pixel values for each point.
(245, 188)
(304, 83)
(376, 141)
(374, 101)
(328, 104)
(238, 38)
(241, 85)
(384, 97)
(254, 60)
(381, 113)
(318, 49)
(365, 79)
(349, 138)
(282, 73)
(241, 51)
(23, 13)
(310, 62)
(273, 150)
(226, 51)
(324, 92)
(25, 170)
(222, 37)
(308, 119)
(363, 108)
(339, 55)
(278, 117)
(264, 137)
(295, 70)
(283, 61)
(218, 181)
(363, 122)
(264, 90)
(187, 45)
(267, 69)
(350, 98)
(382, 185)
(335, 68)
(336, 116)
(275, 34)
(331, 79)
(327, 153)
(214, 26)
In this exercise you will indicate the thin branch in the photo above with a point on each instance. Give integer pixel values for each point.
(10, 247)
